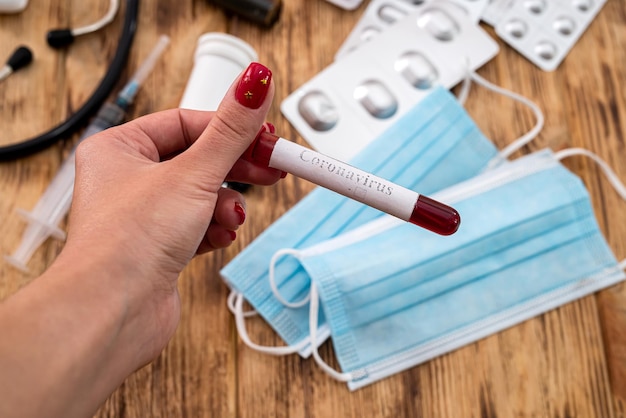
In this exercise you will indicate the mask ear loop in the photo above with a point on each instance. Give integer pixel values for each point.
(611, 176)
(313, 319)
(467, 83)
(528, 136)
(522, 140)
(230, 302)
(240, 322)
(272, 279)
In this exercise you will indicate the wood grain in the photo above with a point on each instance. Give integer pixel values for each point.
(570, 362)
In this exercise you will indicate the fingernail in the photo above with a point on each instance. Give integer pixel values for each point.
(270, 127)
(253, 86)
(283, 174)
(241, 212)
(233, 235)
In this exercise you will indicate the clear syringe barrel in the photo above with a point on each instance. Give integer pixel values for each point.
(127, 95)
(55, 203)
(45, 217)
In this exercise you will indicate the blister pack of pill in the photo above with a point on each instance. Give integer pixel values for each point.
(381, 14)
(353, 100)
(494, 11)
(544, 31)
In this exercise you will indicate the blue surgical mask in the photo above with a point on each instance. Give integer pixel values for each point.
(435, 145)
(395, 295)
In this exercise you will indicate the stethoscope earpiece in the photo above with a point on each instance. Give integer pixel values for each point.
(20, 58)
(59, 38)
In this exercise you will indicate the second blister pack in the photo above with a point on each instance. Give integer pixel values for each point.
(381, 14)
(544, 31)
(352, 101)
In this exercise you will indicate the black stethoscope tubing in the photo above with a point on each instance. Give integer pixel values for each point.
(79, 118)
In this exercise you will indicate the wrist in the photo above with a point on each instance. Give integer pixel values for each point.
(73, 335)
(62, 337)
(138, 308)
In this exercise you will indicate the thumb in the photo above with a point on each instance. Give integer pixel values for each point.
(233, 127)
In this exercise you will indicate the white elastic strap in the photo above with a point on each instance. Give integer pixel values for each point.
(467, 83)
(272, 279)
(608, 171)
(106, 19)
(5, 71)
(617, 184)
(313, 314)
(240, 322)
(524, 139)
(230, 302)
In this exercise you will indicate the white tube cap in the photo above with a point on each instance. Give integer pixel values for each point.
(218, 60)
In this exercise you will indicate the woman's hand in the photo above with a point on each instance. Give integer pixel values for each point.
(150, 216)
(148, 196)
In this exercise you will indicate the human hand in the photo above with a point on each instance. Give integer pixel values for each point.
(148, 197)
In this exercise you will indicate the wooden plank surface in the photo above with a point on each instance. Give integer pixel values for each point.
(570, 362)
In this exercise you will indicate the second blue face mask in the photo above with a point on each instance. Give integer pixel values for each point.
(396, 295)
(435, 145)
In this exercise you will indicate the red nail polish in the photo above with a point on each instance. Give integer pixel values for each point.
(241, 212)
(253, 85)
(233, 235)
(283, 174)
(270, 127)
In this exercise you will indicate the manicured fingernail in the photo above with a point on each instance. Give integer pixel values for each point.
(233, 235)
(241, 212)
(253, 86)
(270, 127)
(283, 174)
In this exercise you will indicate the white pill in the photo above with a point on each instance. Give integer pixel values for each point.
(417, 70)
(318, 111)
(376, 99)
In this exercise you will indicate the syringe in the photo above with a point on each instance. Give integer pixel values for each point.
(43, 221)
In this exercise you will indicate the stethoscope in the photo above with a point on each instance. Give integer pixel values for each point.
(59, 38)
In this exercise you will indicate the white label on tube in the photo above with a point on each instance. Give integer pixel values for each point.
(343, 178)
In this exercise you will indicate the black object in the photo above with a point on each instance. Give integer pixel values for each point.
(59, 38)
(238, 187)
(263, 12)
(102, 92)
(20, 58)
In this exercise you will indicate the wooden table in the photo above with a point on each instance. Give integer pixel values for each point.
(570, 362)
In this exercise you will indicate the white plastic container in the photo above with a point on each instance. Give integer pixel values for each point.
(218, 60)
(12, 6)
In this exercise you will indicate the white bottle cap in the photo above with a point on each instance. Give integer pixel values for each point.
(218, 60)
(12, 6)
